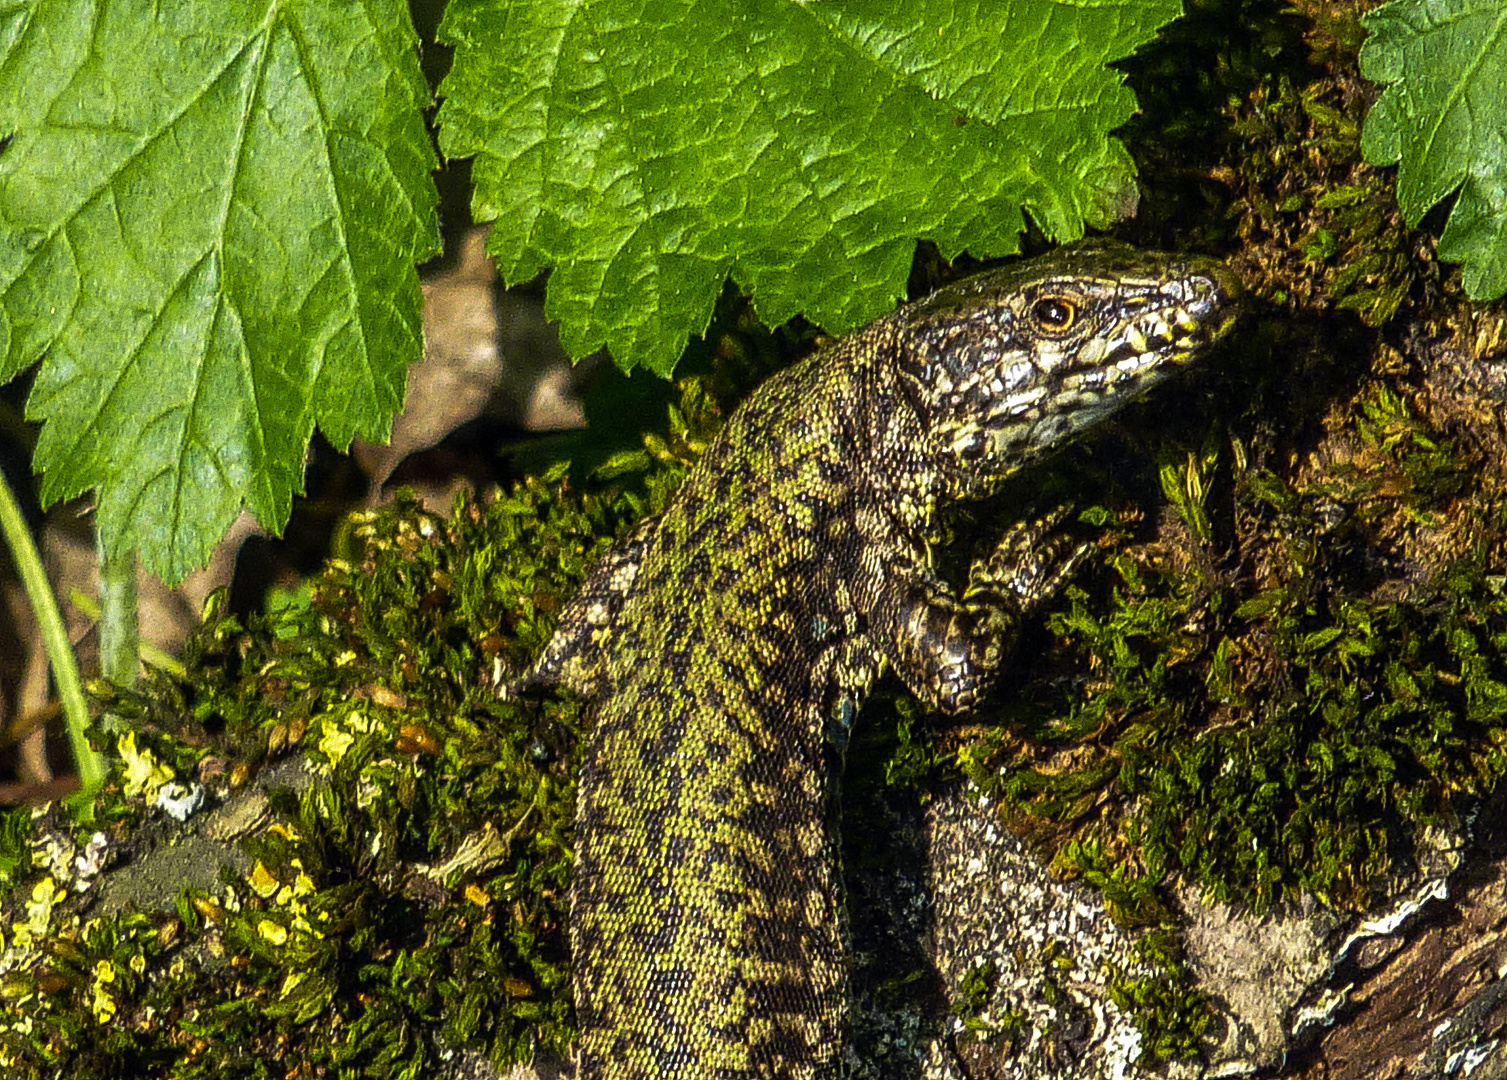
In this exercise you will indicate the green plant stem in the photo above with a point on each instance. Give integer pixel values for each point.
(91, 766)
(150, 654)
(119, 630)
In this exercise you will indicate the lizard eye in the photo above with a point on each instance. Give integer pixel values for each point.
(1054, 314)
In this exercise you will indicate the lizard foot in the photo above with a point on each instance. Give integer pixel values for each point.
(1028, 566)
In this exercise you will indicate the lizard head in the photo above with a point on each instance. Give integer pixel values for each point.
(1013, 362)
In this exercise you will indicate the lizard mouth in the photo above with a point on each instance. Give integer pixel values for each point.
(1193, 313)
(1146, 342)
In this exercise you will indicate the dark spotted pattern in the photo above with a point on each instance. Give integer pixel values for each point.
(728, 643)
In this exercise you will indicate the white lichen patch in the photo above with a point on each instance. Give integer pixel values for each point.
(1049, 946)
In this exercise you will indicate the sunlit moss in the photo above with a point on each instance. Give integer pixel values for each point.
(419, 885)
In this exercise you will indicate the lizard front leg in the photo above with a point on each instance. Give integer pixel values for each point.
(947, 648)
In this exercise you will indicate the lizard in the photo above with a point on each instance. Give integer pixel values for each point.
(727, 643)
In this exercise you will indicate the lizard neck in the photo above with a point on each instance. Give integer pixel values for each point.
(890, 427)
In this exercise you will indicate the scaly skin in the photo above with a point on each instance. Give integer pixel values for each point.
(728, 642)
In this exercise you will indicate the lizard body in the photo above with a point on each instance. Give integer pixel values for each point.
(728, 642)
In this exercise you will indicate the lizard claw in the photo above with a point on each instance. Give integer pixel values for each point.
(1028, 565)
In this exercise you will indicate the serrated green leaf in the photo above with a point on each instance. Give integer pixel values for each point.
(209, 217)
(1443, 115)
(647, 152)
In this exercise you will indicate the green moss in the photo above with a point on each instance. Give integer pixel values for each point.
(1322, 229)
(1167, 1010)
(1272, 711)
(15, 845)
(1130, 897)
(418, 885)
(1288, 749)
(913, 759)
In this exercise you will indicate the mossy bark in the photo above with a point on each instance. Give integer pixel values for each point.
(1274, 707)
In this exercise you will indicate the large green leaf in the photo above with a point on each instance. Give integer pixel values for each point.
(648, 150)
(209, 217)
(1444, 117)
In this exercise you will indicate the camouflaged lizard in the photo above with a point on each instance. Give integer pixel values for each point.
(728, 642)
